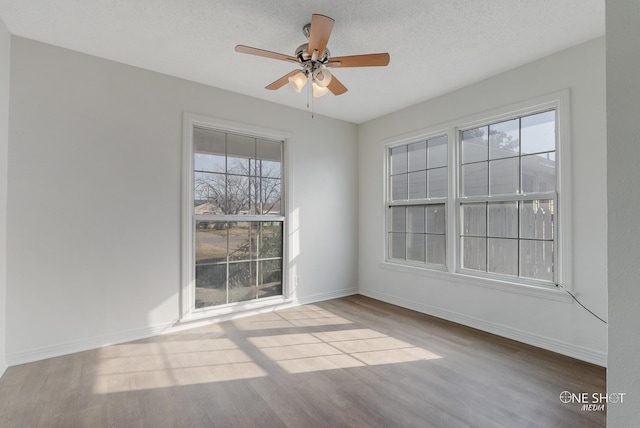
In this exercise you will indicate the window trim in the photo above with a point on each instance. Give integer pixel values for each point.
(188, 312)
(558, 101)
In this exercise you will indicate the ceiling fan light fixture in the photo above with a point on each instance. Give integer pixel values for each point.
(297, 81)
(319, 91)
(322, 77)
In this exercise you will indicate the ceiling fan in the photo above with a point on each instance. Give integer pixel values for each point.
(315, 60)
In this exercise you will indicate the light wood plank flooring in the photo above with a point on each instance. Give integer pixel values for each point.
(350, 362)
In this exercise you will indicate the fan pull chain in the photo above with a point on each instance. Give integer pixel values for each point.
(309, 95)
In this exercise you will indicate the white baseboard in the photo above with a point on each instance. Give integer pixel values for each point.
(42, 353)
(589, 355)
(327, 296)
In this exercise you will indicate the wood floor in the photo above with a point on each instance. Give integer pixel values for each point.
(350, 362)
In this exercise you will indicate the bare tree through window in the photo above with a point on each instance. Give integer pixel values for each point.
(238, 227)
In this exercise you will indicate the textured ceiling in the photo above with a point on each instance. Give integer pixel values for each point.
(436, 46)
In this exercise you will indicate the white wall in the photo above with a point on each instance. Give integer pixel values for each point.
(94, 197)
(623, 158)
(558, 325)
(5, 54)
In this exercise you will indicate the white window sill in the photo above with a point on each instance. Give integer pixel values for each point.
(542, 292)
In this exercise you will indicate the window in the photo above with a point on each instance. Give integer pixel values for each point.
(494, 213)
(508, 197)
(417, 202)
(237, 218)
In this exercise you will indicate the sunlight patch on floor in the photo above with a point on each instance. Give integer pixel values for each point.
(316, 364)
(309, 352)
(160, 365)
(167, 377)
(312, 317)
(142, 348)
(253, 347)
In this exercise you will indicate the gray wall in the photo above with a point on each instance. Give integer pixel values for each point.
(623, 175)
(5, 54)
(559, 325)
(94, 200)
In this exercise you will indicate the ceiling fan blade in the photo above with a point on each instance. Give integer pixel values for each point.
(321, 27)
(267, 54)
(368, 60)
(336, 87)
(281, 81)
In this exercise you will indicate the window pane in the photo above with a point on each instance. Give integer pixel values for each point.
(474, 255)
(416, 247)
(398, 219)
(399, 160)
(551, 156)
(209, 163)
(417, 156)
(211, 242)
(475, 179)
(437, 152)
(209, 150)
(536, 219)
(242, 240)
(437, 183)
(436, 217)
(269, 278)
(474, 219)
(211, 285)
(240, 195)
(503, 256)
(415, 219)
(538, 132)
(417, 185)
(269, 150)
(504, 177)
(503, 219)
(239, 150)
(254, 197)
(538, 174)
(209, 193)
(399, 191)
(270, 196)
(436, 249)
(536, 259)
(238, 166)
(504, 139)
(269, 169)
(398, 245)
(242, 281)
(270, 239)
(475, 145)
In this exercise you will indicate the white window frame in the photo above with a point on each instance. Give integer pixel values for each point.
(558, 101)
(188, 311)
(407, 140)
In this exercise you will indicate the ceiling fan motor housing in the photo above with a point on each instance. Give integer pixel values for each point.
(302, 53)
